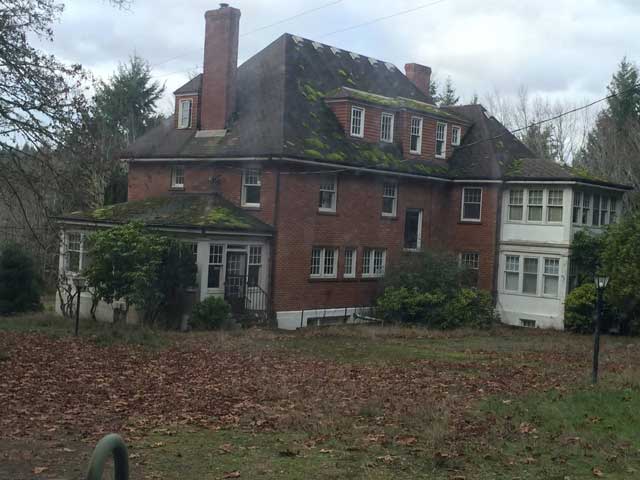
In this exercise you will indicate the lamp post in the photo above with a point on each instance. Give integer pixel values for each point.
(80, 283)
(601, 283)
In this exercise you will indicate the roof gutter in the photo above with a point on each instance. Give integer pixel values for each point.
(619, 188)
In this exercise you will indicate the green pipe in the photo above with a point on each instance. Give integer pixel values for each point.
(112, 444)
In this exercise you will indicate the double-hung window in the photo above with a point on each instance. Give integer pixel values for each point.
(76, 252)
(413, 229)
(373, 262)
(386, 127)
(512, 273)
(327, 199)
(389, 199)
(251, 185)
(415, 142)
(516, 202)
(604, 211)
(441, 140)
(554, 205)
(530, 276)
(596, 211)
(324, 262)
(184, 114)
(551, 276)
(534, 207)
(471, 204)
(577, 206)
(350, 255)
(177, 176)
(586, 208)
(216, 255)
(613, 210)
(471, 262)
(255, 265)
(456, 133)
(357, 122)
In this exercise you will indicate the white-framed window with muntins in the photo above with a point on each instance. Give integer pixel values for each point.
(386, 127)
(516, 205)
(456, 133)
(551, 277)
(76, 252)
(324, 262)
(441, 140)
(251, 186)
(415, 141)
(389, 199)
(350, 255)
(535, 200)
(512, 273)
(357, 122)
(373, 262)
(554, 205)
(471, 204)
(177, 176)
(255, 265)
(327, 198)
(184, 114)
(216, 261)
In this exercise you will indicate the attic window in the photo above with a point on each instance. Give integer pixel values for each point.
(441, 135)
(455, 136)
(184, 114)
(357, 122)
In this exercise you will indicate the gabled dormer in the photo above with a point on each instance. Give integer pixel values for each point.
(187, 109)
(422, 130)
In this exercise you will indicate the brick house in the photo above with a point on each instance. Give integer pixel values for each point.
(300, 175)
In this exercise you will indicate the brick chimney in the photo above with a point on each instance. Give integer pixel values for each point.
(420, 76)
(219, 67)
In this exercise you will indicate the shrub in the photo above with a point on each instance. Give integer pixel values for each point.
(210, 314)
(469, 308)
(580, 309)
(20, 285)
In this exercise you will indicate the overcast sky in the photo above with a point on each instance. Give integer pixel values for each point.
(556, 48)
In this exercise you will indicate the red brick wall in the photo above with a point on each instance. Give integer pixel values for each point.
(401, 130)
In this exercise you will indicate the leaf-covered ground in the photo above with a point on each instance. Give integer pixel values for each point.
(329, 403)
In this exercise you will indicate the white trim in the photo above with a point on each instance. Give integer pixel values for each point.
(186, 94)
(444, 141)
(181, 124)
(568, 182)
(194, 230)
(462, 217)
(174, 176)
(477, 181)
(362, 112)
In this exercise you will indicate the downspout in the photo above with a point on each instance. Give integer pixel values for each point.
(498, 236)
(274, 242)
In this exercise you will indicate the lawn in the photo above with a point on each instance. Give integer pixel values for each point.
(348, 402)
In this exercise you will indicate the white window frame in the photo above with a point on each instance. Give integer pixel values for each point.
(456, 134)
(324, 180)
(418, 246)
(383, 116)
(177, 176)
(322, 256)
(386, 194)
(350, 260)
(462, 203)
(418, 129)
(369, 262)
(253, 175)
(474, 264)
(211, 257)
(537, 274)
(254, 259)
(511, 204)
(535, 205)
(576, 210)
(550, 206)
(357, 130)
(82, 252)
(508, 270)
(441, 126)
(541, 274)
(546, 275)
(182, 124)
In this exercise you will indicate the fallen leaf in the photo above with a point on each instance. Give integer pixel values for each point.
(234, 474)
(597, 472)
(39, 470)
(406, 440)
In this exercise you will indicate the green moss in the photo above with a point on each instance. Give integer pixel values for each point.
(313, 153)
(310, 93)
(337, 157)
(343, 73)
(223, 216)
(315, 143)
(515, 168)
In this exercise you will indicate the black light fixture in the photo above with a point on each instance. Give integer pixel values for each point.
(80, 283)
(601, 282)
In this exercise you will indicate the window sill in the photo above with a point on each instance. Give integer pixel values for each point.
(177, 189)
(412, 250)
(529, 295)
(469, 222)
(323, 279)
(327, 212)
(251, 207)
(440, 157)
(389, 217)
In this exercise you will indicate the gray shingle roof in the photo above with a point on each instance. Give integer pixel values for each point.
(192, 86)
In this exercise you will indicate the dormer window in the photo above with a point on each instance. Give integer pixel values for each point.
(184, 114)
(441, 135)
(416, 135)
(357, 122)
(386, 127)
(456, 133)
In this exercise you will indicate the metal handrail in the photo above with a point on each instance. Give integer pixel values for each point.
(111, 444)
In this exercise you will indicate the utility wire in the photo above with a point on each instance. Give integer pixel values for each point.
(551, 119)
(380, 19)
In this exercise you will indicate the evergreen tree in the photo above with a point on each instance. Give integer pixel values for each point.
(624, 84)
(448, 95)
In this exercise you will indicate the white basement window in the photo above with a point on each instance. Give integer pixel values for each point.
(471, 204)
(357, 122)
(386, 127)
(415, 143)
(324, 262)
(184, 114)
(441, 140)
(251, 186)
(327, 200)
(389, 199)
(177, 176)
(373, 262)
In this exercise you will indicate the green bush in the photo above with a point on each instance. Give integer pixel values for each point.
(20, 285)
(211, 314)
(469, 308)
(580, 308)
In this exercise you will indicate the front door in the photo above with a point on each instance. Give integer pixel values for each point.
(236, 280)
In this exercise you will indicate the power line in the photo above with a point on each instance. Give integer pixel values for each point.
(380, 19)
(551, 119)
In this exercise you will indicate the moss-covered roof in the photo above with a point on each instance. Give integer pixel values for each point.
(398, 103)
(198, 211)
